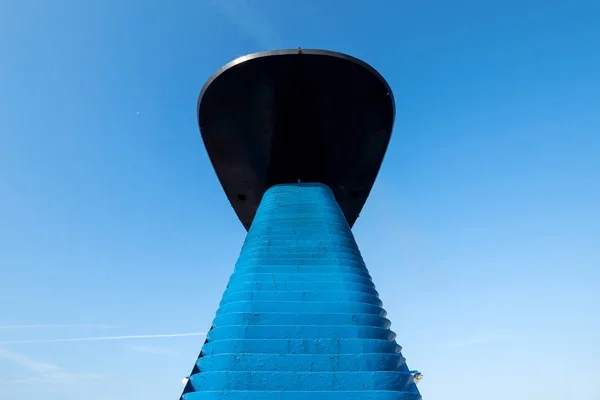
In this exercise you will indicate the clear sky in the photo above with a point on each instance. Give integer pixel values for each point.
(482, 232)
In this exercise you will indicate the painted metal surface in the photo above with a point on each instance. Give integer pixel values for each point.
(286, 115)
(300, 318)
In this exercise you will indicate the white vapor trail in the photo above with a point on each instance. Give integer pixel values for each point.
(52, 326)
(90, 339)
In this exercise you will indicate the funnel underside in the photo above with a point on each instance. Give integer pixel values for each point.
(287, 116)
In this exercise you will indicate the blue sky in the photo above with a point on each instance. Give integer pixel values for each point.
(482, 233)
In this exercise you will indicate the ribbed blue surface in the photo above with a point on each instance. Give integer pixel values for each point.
(300, 318)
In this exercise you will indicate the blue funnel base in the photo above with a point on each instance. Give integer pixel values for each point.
(300, 318)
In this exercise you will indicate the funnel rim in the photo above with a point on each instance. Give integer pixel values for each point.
(299, 52)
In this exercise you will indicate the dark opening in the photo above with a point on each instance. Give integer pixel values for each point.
(241, 197)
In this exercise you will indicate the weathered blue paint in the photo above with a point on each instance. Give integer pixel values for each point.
(300, 318)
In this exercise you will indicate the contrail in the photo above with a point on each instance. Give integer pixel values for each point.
(52, 326)
(90, 339)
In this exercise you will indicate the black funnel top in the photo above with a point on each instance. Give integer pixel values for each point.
(296, 115)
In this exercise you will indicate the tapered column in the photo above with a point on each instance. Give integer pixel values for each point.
(300, 318)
